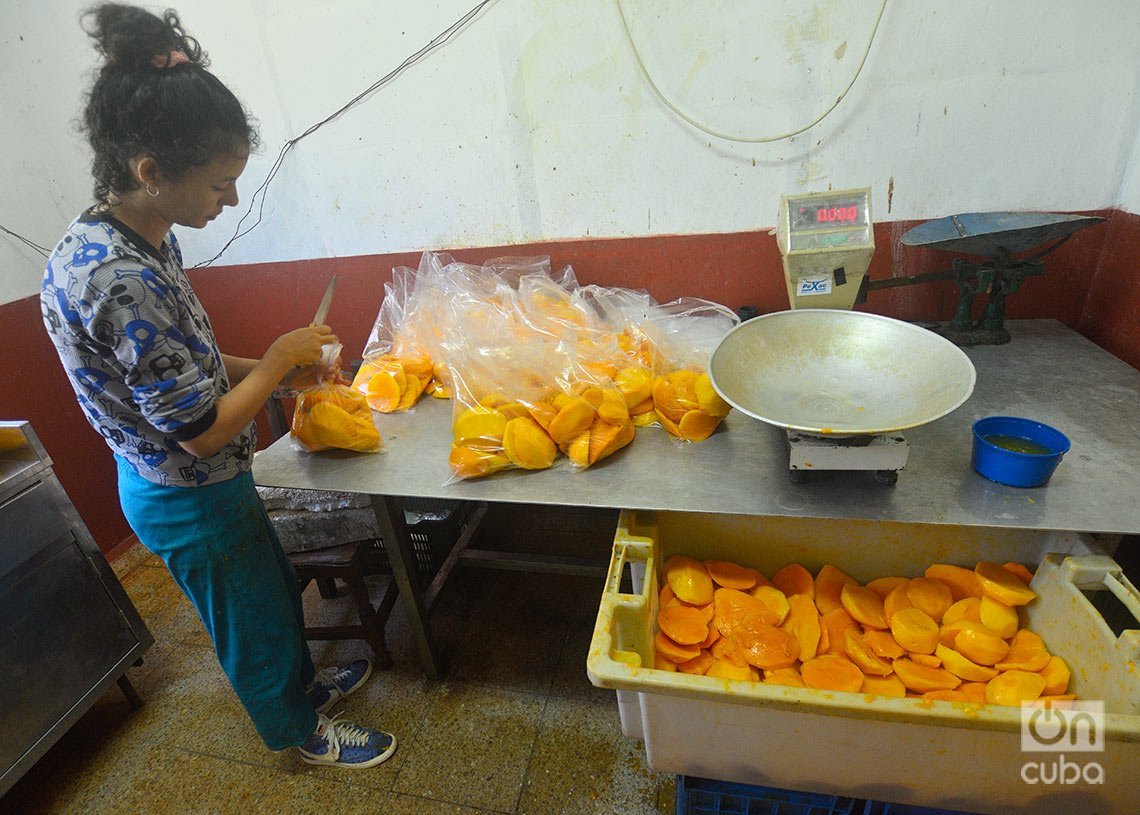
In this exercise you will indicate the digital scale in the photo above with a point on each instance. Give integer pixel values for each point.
(826, 241)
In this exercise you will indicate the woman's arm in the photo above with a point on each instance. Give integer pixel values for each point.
(238, 368)
(238, 408)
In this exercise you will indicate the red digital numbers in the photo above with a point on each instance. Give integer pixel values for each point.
(836, 214)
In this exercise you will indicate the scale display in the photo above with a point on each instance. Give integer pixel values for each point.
(828, 213)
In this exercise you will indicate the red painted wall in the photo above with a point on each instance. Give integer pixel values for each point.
(251, 305)
(1111, 317)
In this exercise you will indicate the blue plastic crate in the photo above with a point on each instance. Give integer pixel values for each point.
(886, 808)
(701, 796)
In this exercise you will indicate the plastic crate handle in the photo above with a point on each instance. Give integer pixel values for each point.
(608, 653)
(1099, 572)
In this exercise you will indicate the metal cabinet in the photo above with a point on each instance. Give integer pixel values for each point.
(68, 631)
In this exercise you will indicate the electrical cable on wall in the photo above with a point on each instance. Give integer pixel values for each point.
(745, 139)
(43, 251)
(439, 40)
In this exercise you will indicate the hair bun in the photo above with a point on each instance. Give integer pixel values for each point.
(131, 37)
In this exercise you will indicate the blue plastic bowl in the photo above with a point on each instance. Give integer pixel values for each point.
(1015, 468)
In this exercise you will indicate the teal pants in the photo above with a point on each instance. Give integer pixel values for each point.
(224, 554)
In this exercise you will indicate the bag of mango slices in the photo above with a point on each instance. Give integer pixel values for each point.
(494, 426)
(623, 313)
(687, 331)
(396, 368)
(588, 418)
(333, 415)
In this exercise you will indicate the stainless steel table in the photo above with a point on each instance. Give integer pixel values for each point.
(1048, 373)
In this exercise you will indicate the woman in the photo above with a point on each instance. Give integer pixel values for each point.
(169, 142)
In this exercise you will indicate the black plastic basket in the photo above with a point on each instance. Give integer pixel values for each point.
(433, 527)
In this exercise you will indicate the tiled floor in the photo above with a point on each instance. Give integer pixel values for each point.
(516, 727)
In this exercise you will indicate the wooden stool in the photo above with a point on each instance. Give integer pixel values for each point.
(347, 562)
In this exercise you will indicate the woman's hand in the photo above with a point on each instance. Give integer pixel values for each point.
(301, 347)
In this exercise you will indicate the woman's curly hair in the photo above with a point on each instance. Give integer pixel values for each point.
(142, 103)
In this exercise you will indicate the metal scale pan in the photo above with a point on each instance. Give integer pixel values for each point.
(996, 233)
(842, 383)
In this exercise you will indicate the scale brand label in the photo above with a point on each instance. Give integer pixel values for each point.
(814, 284)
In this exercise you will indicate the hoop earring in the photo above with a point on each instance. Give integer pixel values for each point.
(152, 191)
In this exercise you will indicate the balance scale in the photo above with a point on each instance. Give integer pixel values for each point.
(826, 241)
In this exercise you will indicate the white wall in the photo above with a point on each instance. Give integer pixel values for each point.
(535, 124)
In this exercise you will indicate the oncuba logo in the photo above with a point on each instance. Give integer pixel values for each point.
(1049, 729)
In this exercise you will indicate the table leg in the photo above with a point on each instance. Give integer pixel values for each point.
(389, 513)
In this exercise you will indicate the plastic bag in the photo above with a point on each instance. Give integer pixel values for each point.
(397, 368)
(624, 314)
(333, 415)
(497, 383)
(687, 331)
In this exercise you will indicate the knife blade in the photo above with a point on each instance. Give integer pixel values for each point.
(326, 301)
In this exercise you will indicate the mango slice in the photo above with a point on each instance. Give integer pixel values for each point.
(696, 425)
(468, 462)
(915, 631)
(922, 678)
(968, 608)
(723, 669)
(766, 646)
(708, 399)
(572, 420)
(883, 586)
(889, 685)
(833, 626)
(859, 652)
(1003, 585)
(1056, 675)
(527, 445)
(961, 582)
(802, 623)
(636, 386)
(863, 605)
(1014, 687)
(726, 648)
(775, 600)
(682, 624)
(1026, 653)
(730, 575)
(896, 600)
(731, 607)
(998, 617)
(689, 580)
(931, 596)
(673, 651)
(794, 579)
(980, 645)
(883, 644)
(829, 583)
(963, 668)
(699, 665)
(832, 672)
(479, 426)
(1019, 571)
(784, 676)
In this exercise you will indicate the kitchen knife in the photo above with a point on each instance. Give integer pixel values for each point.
(326, 301)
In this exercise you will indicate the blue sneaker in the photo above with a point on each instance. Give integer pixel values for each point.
(333, 684)
(336, 743)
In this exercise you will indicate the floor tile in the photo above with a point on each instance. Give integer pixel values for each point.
(582, 764)
(473, 747)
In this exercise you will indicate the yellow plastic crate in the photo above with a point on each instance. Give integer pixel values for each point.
(912, 751)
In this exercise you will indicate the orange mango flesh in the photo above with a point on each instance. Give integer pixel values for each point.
(334, 416)
(739, 633)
